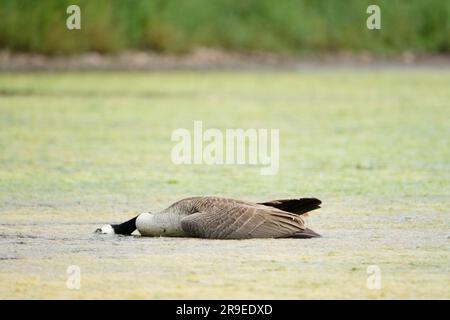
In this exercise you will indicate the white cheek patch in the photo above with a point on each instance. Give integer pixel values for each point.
(106, 229)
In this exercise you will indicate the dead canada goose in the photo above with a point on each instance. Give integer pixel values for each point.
(221, 218)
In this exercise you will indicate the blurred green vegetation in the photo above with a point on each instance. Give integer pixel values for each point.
(299, 26)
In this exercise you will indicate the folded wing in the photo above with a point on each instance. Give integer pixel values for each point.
(242, 221)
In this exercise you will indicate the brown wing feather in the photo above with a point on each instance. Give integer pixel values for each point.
(241, 221)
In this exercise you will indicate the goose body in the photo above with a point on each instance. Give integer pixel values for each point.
(223, 218)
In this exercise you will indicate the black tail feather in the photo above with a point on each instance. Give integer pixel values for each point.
(297, 206)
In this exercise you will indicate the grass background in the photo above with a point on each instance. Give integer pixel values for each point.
(292, 27)
(82, 149)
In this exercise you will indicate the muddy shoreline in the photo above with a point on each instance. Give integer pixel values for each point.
(212, 59)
